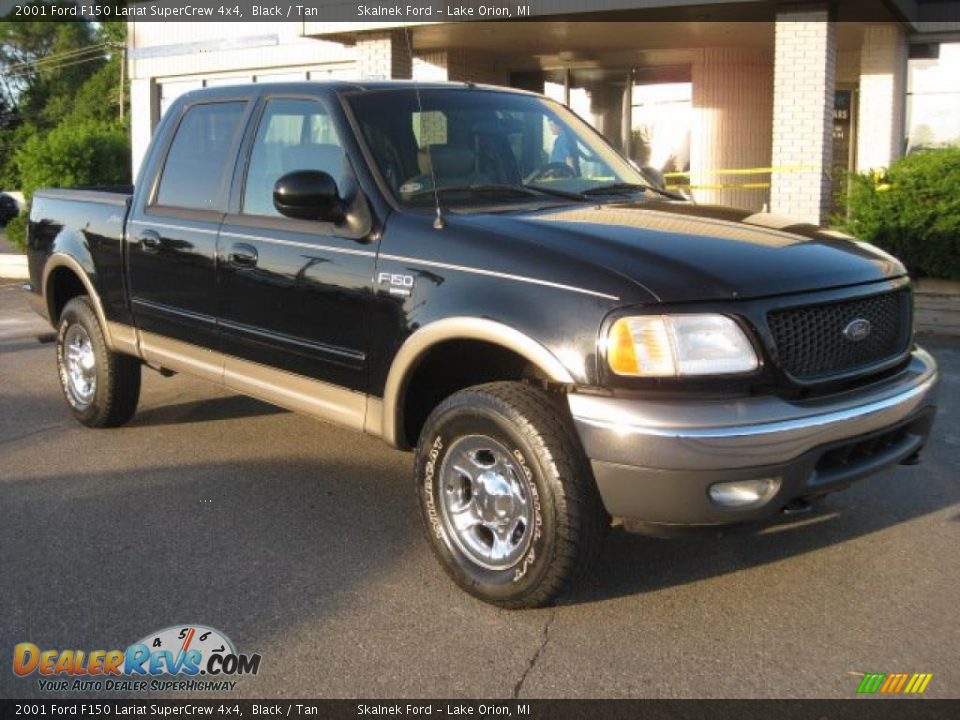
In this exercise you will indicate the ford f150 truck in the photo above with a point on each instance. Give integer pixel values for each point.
(559, 339)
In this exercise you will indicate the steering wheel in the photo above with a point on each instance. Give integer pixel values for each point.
(552, 171)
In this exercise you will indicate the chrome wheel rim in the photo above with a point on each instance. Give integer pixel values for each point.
(486, 502)
(79, 367)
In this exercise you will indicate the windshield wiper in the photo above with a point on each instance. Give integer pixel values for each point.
(478, 188)
(619, 187)
(565, 194)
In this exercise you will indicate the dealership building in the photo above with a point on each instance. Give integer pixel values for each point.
(757, 104)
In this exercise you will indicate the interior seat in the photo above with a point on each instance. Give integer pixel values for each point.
(450, 165)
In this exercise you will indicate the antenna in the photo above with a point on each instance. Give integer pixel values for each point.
(439, 223)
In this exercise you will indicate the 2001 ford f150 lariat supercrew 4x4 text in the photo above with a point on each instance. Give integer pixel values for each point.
(561, 340)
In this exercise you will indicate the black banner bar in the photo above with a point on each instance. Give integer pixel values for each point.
(423, 11)
(854, 709)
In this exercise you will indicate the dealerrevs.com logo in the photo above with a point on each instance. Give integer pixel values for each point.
(181, 657)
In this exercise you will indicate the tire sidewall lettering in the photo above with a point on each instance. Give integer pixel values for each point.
(429, 492)
(430, 485)
(531, 556)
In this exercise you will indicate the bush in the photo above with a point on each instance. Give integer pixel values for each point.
(912, 211)
(16, 231)
(74, 153)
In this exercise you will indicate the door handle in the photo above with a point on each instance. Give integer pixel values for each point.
(149, 241)
(243, 255)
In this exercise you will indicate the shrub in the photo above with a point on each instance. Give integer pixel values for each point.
(912, 211)
(16, 231)
(74, 153)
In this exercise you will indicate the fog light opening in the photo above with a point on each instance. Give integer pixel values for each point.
(742, 494)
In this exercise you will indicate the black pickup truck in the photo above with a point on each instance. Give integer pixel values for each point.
(559, 339)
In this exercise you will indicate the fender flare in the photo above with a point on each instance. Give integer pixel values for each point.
(62, 260)
(415, 348)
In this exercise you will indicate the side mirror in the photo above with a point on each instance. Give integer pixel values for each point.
(308, 195)
(654, 176)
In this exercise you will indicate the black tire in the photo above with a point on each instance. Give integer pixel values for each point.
(112, 400)
(567, 517)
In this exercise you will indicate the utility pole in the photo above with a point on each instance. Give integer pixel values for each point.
(123, 77)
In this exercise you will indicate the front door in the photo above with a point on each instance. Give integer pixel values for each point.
(294, 294)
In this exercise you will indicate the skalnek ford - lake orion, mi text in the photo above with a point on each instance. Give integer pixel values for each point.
(484, 709)
(279, 11)
(453, 11)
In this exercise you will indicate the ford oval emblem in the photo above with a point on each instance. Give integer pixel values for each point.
(857, 330)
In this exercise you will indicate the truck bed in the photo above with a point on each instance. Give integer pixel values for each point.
(87, 224)
(110, 194)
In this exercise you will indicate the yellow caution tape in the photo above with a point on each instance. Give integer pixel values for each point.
(747, 171)
(744, 186)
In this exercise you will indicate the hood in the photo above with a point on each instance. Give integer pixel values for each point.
(680, 252)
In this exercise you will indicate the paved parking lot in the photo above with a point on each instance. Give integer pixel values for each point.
(301, 542)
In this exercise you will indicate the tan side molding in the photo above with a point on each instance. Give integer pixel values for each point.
(315, 398)
(124, 338)
(416, 346)
(318, 399)
(183, 357)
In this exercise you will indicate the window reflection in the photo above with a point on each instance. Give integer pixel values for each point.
(933, 96)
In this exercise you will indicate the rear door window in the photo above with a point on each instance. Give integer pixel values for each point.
(201, 157)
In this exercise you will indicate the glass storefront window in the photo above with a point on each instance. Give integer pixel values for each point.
(661, 117)
(645, 113)
(933, 97)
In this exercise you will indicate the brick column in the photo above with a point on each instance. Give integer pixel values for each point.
(459, 65)
(883, 77)
(805, 61)
(384, 55)
(732, 103)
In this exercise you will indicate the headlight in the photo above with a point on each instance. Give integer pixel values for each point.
(673, 345)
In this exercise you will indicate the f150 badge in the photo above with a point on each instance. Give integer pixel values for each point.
(400, 285)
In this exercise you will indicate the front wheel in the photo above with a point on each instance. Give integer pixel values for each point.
(101, 387)
(508, 501)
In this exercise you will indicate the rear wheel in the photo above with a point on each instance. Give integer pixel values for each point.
(506, 494)
(101, 387)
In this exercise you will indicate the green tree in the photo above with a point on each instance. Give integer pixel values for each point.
(60, 107)
(43, 64)
(86, 152)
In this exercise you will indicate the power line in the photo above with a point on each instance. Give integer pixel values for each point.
(64, 54)
(27, 71)
(53, 59)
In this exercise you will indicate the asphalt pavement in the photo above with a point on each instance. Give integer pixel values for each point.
(301, 541)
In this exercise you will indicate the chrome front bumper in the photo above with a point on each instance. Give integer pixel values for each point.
(655, 460)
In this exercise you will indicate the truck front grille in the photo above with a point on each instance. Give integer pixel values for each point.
(811, 342)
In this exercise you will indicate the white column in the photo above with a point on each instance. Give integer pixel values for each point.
(805, 61)
(883, 77)
(732, 112)
(459, 65)
(144, 113)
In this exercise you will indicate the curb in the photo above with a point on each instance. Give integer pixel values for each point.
(14, 267)
(937, 314)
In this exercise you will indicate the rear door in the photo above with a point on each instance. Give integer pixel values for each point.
(172, 232)
(294, 295)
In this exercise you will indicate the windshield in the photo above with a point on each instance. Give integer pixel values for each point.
(478, 147)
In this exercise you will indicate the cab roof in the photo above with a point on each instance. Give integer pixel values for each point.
(346, 86)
